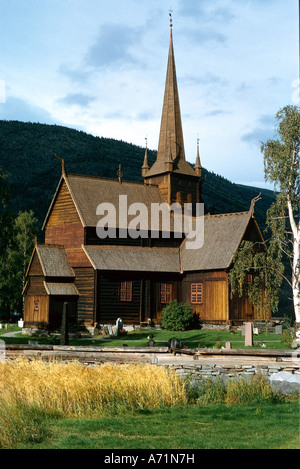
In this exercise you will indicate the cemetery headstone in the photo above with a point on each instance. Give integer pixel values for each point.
(175, 343)
(119, 326)
(248, 334)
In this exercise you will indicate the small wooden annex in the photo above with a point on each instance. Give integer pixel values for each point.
(134, 278)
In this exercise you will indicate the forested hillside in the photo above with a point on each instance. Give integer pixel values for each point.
(27, 154)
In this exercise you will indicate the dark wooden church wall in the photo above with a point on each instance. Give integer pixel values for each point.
(85, 283)
(109, 306)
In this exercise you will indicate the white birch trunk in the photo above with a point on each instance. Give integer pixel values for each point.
(295, 267)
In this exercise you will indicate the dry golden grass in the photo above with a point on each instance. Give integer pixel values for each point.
(73, 389)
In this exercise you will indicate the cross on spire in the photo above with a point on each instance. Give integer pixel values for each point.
(171, 19)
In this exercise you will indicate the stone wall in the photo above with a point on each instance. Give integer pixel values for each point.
(198, 372)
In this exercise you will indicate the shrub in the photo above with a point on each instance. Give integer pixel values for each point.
(177, 316)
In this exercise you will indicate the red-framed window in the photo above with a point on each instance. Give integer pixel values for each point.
(126, 291)
(196, 293)
(166, 290)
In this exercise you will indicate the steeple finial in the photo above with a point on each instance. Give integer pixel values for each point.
(198, 167)
(63, 168)
(120, 174)
(145, 167)
(171, 21)
(253, 202)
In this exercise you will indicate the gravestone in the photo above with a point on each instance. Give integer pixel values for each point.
(228, 345)
(175, 343)
(248, 334)
(278, 329)
(119, 326)
(151, 343)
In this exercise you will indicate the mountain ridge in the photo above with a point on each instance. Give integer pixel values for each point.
(27, 154)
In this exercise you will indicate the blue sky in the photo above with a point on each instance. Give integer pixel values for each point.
(100, 67)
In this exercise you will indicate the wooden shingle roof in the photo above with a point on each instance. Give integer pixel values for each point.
(53, 260)
(222, 237)
(58, 289)
(134, 259)
(88, 192)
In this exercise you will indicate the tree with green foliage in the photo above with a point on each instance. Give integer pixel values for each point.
(5, 215)
(14, 262)
(282, 167)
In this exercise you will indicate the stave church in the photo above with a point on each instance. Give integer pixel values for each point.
(134, 278)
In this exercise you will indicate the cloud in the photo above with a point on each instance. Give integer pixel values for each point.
(204, 79)
(206, 11)
(77, 75)
(113, 47)
(21, 110)
(205, 34)
(77, 99)
(263, 131)
(217, 112)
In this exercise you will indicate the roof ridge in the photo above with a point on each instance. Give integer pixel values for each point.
(229, 214)
(102, 178)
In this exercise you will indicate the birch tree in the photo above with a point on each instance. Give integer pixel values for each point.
(282, 167)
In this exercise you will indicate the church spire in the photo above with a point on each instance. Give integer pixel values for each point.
(171, 153)
(171, 127)
(198, 167)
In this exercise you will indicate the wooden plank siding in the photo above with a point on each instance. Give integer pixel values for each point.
(91, 239)
(184, 189)
(85, 284)
(35, 267)
(242, 310)
(64, 226)
(157, 306)
(63, 211)
(214, 307)
(56, 304)
(109, 306)
(36, 318)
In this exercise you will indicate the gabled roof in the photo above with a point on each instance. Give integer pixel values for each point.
(88, 192)
(134, 259)
(223, 235)
(53, 261)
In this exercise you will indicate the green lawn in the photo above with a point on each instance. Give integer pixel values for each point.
(197, 338)
(214, 426)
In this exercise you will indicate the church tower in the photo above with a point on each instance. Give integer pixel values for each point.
(175, 177)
